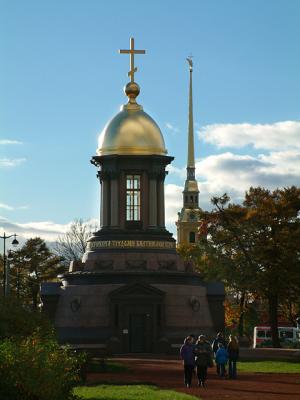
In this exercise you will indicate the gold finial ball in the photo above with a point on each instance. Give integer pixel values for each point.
(132, 90)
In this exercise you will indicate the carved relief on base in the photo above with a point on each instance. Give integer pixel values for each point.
(168, 265)
(136, 264)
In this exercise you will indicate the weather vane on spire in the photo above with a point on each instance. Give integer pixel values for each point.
(132, 52)
(190, 61)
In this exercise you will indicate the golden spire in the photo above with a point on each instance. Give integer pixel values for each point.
(132, 89)
(190, 193)
(191, 152)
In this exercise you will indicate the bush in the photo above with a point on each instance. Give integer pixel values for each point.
(37, 368)
(20, 322)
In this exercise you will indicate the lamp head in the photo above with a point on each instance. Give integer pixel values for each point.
(15, 242)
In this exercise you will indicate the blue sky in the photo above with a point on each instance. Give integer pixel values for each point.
(61, 80)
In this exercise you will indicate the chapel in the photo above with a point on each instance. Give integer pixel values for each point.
(132, 293)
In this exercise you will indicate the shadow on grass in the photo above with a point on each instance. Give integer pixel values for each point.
(104, 366)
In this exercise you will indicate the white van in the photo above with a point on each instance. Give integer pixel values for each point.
(286, 334)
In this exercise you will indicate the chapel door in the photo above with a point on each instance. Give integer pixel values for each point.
(136, 317)
(138, 333)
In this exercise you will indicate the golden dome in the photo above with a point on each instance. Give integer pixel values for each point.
(131, 131)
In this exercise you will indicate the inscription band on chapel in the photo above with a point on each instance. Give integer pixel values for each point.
(153, 244)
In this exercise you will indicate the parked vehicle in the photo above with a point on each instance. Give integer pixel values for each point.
(287, 334)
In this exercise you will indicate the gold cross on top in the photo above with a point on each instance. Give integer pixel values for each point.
(132, 52)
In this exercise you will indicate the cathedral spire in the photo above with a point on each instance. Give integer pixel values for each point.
(190, 193)
(189, 216)
(191, 151)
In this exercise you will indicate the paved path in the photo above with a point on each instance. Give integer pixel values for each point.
(168, 374)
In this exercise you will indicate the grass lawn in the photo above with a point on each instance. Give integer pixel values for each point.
(129, 392)
(284, 367)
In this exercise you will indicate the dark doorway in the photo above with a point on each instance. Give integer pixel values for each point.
(137, 317)
(137, 333)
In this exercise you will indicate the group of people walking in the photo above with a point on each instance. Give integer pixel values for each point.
(200, 354)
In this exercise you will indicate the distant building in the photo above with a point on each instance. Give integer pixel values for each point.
(189, 216)
(131, 292)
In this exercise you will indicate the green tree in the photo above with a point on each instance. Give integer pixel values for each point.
(255, 247)
(29, 267)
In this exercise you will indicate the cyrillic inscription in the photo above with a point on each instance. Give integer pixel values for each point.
(153, 244)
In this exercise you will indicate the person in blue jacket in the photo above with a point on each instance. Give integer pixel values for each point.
(215, 346)
(221, 359)
(188, 357)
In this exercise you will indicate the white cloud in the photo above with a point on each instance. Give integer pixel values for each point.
(172, 128)
(177, 171)
(283, 135)
(173, 202)
(7, 141)
(11, 208)
(234, 173)
(47, 230)
(283, 162)
(11, 162)
(6, 207)
(239, 172)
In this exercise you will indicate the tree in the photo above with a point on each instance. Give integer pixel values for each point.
(29, 267)
(255, 247)
(290, 307)
(72, 245)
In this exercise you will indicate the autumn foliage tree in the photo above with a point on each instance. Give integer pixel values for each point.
(255, 247)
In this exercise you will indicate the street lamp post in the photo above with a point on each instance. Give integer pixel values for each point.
(5, 268)
(10, 257)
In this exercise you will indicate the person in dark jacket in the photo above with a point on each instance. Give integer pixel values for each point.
(188, 357)
(202, 359)
(233, 356)
(219, 339)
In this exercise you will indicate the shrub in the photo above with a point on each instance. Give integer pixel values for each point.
(37, 368)
(20, 322)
